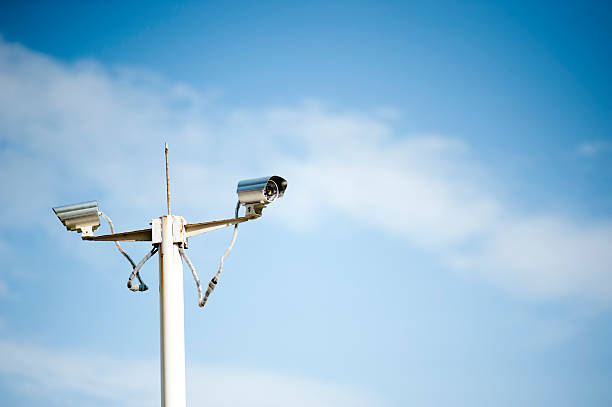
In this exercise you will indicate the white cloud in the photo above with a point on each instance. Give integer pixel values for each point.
(70, 130)
(62, 377)
(592, 148)
(546, 257)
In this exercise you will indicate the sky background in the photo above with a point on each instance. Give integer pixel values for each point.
(445, 238)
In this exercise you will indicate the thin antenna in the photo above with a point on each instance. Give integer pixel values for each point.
(167, 180)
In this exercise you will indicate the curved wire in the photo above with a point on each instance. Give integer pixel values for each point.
(141, 286)
(193, 273)
(127, 256)
(213, 281)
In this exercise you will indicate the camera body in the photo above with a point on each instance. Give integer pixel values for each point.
(256, 193)
(82, 217)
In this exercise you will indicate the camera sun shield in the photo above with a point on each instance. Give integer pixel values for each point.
(82, 217)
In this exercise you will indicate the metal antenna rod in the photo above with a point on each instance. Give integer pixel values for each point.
(167, 180)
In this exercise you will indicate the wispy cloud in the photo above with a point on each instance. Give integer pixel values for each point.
(592, 148)
(67, 377)
(69, 129)
(546, 257)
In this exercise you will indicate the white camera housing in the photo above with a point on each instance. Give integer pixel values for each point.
(82, 217)
(256, 193)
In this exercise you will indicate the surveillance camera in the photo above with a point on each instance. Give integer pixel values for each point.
(82, 217)
(256, 193)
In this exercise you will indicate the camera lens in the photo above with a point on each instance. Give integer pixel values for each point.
(271, 191)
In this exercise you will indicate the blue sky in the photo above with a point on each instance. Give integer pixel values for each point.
(446, 234)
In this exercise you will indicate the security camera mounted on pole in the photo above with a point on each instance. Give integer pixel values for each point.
(169, 235)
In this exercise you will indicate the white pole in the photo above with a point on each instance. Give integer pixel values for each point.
(172, 329)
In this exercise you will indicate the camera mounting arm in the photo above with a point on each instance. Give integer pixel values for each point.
(194, 229)
(143, 235)
(191, 229)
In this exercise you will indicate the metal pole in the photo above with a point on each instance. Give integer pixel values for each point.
(172, 328)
